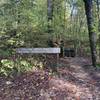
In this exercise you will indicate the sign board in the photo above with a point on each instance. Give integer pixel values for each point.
(38, 50)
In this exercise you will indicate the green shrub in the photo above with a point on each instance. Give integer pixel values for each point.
(23, 66)
(98, 65)
(15, 67)
(5, 53)
(10, 67)
(6, 67)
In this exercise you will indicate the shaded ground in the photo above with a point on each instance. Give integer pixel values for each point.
(75, 80)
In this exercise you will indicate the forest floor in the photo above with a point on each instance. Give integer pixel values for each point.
(75, 80)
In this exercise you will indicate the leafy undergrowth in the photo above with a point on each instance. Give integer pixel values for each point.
(74, 80)
(98, 65)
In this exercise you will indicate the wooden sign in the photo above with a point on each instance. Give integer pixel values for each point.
(38, 50)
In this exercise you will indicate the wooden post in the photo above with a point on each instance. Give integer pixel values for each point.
(57, 59)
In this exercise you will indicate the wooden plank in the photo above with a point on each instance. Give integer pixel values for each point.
(38, 50)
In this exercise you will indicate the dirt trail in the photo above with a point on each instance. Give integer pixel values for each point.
(75, 80)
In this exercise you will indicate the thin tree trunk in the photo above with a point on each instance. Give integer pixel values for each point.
(49, 14)
(92, 34)
(98, 13)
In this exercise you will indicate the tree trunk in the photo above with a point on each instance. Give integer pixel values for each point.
(49, 14)
(92, 34)
(98, 12)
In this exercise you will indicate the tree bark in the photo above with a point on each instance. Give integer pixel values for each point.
(91, 29)
(98, 12)
(49, 14)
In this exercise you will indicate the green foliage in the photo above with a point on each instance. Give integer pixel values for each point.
(5, 53)
(24, 23)
(9, 67)
(98, 65)
(22, 66)
(6, 67)
(29, 19)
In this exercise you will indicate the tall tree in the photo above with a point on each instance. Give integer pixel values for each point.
(91, 29)
(49, 13)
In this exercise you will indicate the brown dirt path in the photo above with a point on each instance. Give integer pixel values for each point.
(75, 80)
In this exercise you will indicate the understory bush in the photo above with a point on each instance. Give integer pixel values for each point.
(98, 65)
(11, 68)
(7, 67)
